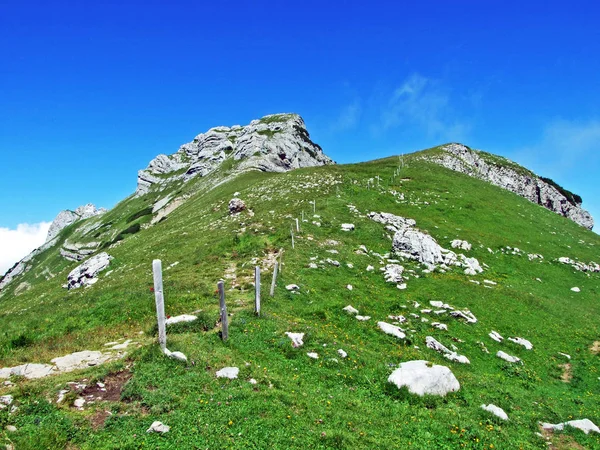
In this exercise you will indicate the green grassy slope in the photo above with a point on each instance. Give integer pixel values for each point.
(299, 402)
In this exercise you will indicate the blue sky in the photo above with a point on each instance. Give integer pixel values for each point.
(91, 91)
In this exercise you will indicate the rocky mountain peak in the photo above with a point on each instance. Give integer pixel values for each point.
(510, 176)
(67, 217)
(274, 143)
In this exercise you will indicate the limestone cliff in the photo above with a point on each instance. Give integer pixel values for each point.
(508, 175)
(275, 143)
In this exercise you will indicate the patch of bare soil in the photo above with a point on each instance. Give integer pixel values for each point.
(567, 374)
(595, 348)
(98, 419)
(560, 441)
(109, 389)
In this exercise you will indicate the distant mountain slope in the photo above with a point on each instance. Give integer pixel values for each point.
(435, 265)
(511, 176)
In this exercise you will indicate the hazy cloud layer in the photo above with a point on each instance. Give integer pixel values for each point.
(17, 243)
(348, 117)
(422, 103)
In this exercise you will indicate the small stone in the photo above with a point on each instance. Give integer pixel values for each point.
(11, 428)
(524, 342)
(292, 287)
(347, 227)
(228, 372)
(296, 339)
(79, 402)
(252, 381)
(507, 357)
(575, 289)
(158, 427)
(362, 318)
(342, 353)
(349, 287)
(495, 410)
(391, 330)
(313, 355)
(350, 309)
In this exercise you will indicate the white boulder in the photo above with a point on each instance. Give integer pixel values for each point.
(423, 378)
(297, 339)
(524, 342)
(507, 357)
(85, 274)
(585, 425)
(158, 427)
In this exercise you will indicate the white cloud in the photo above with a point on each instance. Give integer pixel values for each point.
(348, 118)
(17, 243)
(422, 103)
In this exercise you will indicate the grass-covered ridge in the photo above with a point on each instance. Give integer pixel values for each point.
(299, 402)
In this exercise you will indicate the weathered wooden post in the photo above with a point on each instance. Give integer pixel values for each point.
(292, 233)
(160, 303)
(275, 269)
(224, 318)
(257, 290)
(297, 226)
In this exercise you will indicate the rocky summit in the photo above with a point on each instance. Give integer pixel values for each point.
(510, 176)
(275, 143)
(252, 294)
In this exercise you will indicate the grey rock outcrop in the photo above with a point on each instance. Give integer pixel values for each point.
(514, 178)
(85, 274)
(67, 217)
(275, 143)
(411, 243)
(236, 205)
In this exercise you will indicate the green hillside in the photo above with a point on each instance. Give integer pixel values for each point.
(299, 402)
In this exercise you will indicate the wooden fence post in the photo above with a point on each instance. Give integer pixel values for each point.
(224, 318)
(297, 226)
(160, 303)
(275, 269)
(292, 233)
(257, 290)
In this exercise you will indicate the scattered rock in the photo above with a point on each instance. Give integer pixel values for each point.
(292, 287)
(342, 353)
(433, 344)
(424, 378)
(347, 227)
(392, 330)
(236, 206)
(575, 289)
(349, 287)
(181, 318)
(440, 326)
(362, 318)
(297, 339)
(80, 360)
(158, 427)
(496, 336)
(11, 428)
(228, 372)
(313, 355)
(6, 400)
(370, 268)
(78, 403)
(252, 381)
(495, 410)
(393, 273)
(465, 314)
(350, 309)
(524, 342)
(507, 357)
(585, 425)
(463, 245)
(85, 274)
(29, 371)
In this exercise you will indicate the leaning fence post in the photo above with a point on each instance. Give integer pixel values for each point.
(160, 303)
(272, 292)
(297, 226)
(224, 323)
(257, 290)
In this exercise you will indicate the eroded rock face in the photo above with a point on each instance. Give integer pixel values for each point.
(85, 274)
(67, 217)
(275, 143)
(460, 158)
